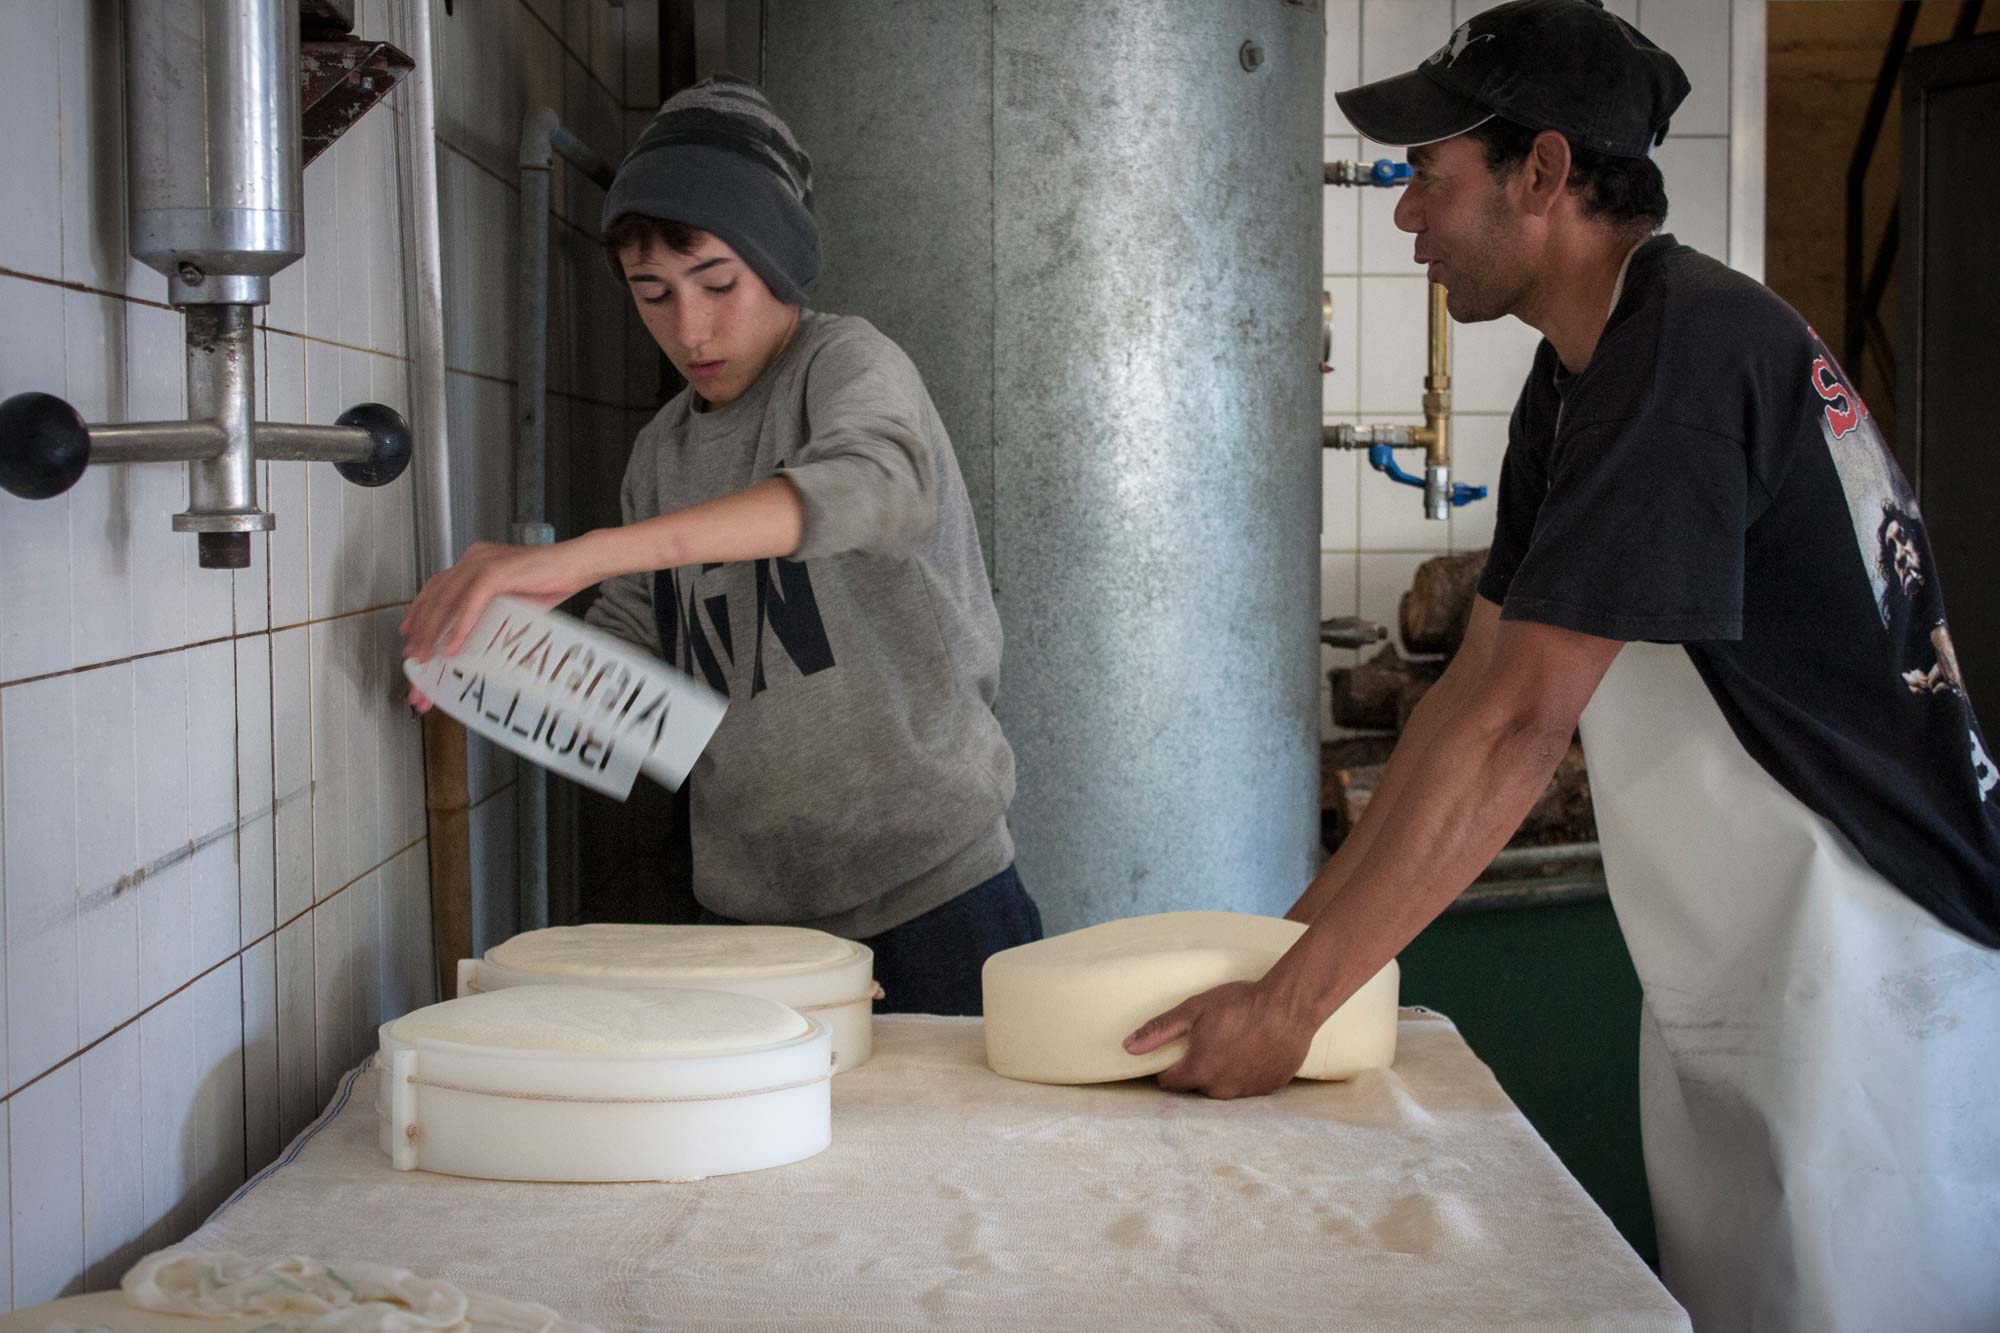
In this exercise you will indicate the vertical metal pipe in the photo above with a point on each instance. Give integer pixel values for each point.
(531, 526)
(1437, 411)
(424, 279)
(222, 495)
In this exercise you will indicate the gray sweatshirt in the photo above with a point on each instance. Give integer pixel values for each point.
(859, 778)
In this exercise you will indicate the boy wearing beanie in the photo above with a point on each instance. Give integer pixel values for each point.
(797, 534)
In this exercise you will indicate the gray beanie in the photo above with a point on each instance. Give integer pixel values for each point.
(716, 157)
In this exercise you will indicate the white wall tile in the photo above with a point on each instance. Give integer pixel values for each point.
(256, 861)
(217, 1003)
(114, 1196)
(332, 867)
(45, 1164)
(1341, 237)
(107, 851)
(160, 559)
(289, 548)
(334, 1005)
(6, 1217)
(323, 276)
(166, 1112)
(1385, 248)
(215, 928)
(35, 594)
(1340, 499)
(211, 602)
(1398, 35)
(386, 330)
(326, 590)
(1478, 445)
(159, 687)
(31, 163)
(365, 917)
(1340, 388)
(261, 1115)
(357, 162)
(1392, 347)
(496, 906)
(408, 967)
(1343, 58)
(395, 572)
(101, 520)
(1383, 581)
(155, 366)
(358, 503)
(38, 788)
(92, 132)
(298, 1042)
(1697, 176)
(94, 354)
(291, 750)
(1695, 33)
(1489, 363)
(357, 676)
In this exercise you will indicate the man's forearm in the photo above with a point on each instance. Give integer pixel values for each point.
(1466, 792)
(1428, 721)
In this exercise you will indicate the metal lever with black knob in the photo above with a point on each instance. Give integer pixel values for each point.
(45, 447)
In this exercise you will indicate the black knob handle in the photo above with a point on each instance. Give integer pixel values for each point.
(393, 445)
(44, 446)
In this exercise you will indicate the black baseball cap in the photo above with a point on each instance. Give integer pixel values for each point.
(1568, 65)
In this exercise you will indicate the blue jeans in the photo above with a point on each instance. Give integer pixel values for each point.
(930, 965)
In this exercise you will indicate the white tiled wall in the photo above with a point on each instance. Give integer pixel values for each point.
(214, 879)
(1372, 533)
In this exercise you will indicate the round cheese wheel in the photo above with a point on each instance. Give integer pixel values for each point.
(1059, 1010)
(585, 1020)
(673, 953)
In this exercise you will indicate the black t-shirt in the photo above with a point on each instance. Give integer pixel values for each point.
(1711, 479)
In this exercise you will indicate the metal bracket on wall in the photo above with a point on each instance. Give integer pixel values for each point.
(340, 81)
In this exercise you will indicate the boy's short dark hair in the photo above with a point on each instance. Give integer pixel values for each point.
(1626, 191)
(637, 231)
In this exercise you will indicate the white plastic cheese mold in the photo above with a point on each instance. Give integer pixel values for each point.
(571, 1083)
(820, 975)
(1058, 1010)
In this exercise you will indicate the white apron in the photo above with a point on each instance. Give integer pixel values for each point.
(1819, 1059)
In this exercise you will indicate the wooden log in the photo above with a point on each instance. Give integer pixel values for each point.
(1435, 611)
(1350, 777)
(1364, 696)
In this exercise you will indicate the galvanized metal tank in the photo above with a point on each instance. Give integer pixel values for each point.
(1095, 226)
(212, 114)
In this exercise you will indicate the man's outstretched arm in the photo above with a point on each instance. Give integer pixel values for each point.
(1467, 785)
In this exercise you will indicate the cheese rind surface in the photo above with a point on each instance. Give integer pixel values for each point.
(1059, 1010)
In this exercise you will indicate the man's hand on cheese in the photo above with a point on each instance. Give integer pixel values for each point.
(1243, 1040)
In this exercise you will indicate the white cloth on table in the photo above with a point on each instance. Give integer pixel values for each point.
(1414, 1197)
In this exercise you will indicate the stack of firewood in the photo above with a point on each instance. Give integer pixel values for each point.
(1373, 701)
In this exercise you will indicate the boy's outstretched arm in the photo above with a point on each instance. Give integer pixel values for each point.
(758, 522)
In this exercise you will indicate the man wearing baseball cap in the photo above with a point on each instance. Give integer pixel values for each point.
(1706, 556)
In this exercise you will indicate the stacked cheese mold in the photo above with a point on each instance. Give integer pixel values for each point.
(573, 1083)
(1059, 1010)
(821, 976)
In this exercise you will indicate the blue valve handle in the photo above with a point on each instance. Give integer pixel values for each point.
(1386, 172)
(1382, 458)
